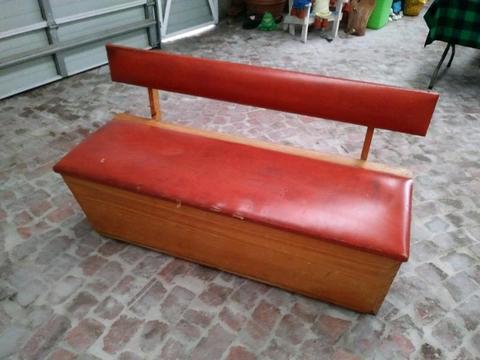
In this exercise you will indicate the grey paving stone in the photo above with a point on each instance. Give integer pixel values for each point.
(55, 270)
(11, 340)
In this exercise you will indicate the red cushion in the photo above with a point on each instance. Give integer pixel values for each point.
(355, 102)
(360, 208)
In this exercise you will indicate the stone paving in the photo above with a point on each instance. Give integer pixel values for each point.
(68, 293)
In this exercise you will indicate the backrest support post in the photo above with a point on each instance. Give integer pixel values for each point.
(367, 142)
(154, 104)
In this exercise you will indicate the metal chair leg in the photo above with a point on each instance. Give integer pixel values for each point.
(435, 73)
(451, 56)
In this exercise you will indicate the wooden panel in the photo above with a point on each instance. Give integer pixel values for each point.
(319, 269)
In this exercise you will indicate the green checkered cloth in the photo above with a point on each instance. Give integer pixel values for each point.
(454, 21)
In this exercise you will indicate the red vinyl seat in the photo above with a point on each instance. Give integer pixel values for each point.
(359, 208)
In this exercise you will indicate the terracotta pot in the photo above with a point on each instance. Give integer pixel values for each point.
(260, 7)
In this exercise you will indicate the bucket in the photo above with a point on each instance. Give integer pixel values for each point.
(380, 13)
(413, 7)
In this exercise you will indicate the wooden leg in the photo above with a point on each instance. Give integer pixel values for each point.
(367, 143)
(154, 104)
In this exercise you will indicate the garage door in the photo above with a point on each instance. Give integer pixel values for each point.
(44, 40)
(179, 16)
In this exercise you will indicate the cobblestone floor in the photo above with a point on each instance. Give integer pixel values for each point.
(66, 292)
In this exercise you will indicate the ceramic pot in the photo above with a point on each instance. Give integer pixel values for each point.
(260, 7)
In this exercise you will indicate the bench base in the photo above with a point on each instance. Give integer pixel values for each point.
(319, 269)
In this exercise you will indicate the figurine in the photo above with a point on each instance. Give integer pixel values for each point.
(299, 8)
(321, 10)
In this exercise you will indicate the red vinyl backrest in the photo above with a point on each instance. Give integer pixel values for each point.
(355, 102)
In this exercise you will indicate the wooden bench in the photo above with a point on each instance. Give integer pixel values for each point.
(328, 227)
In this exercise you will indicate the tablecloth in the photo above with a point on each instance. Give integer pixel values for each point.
(454, 21)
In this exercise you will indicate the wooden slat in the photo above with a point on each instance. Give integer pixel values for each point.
(341, 275)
